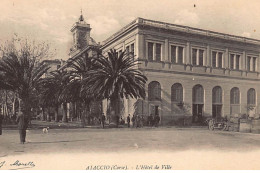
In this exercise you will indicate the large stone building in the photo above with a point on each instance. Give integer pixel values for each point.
(191, 72)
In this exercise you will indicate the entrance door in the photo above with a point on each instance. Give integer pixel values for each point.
(154, 109)
(198, 103)
(197, 111)
(216, 111)
(216, 102)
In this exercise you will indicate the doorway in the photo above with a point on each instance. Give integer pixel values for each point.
(154, 109)
(197, 104)
(216, 111)
(197, 112)
(217, 102)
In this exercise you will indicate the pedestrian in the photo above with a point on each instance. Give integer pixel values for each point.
(152, 120)
(141, 121)
(128, 120)
(157, 120)
(117, 120)
(133, 120)
(103, 118)
(137, 121)
(22, 121)
(150, 117)
(1, 120)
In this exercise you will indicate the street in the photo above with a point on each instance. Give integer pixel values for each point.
(124, 139)
(175, 148)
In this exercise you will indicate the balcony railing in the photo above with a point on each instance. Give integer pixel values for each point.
(182, 29)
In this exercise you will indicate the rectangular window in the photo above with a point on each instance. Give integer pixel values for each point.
(201, 52)
(220, 58)
(133, 48)
(158, 52)
(150, 51)
(127, 49)
(237, 62)
(254, 64)
(232, 61)
(214, 59)
(248, 63)
(180, 55)
(194, 56)
(173, 54)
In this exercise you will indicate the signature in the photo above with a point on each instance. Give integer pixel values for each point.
(18, 163)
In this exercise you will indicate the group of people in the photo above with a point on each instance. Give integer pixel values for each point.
(153, 120)
(139, 121)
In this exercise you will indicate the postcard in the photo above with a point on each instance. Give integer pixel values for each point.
(113, 85)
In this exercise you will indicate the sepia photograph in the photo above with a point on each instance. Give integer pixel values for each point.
(115, 85)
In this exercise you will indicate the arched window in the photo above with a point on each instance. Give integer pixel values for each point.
(234, 101)
(198, 94)
(154, 91)
(217, 95)
(216, 102)
(177, 93)
(251, 96)
(235, 96)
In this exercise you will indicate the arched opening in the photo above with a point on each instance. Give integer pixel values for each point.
(154, 97)
(176, 97)
(216, 102)
(197, 103)
(251, 102)
(154, 91)
(234, 101)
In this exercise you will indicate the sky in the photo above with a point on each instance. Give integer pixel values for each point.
(51, 20)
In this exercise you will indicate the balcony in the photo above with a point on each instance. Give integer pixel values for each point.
(190, 69)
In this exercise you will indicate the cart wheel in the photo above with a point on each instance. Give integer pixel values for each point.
(211, 125)
(224, 128)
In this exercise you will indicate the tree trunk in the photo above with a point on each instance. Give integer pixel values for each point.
(114, 112)
(56, 111)
(43, 114)
(64, 118)
(83, 119)
(48, 114)
(14, 112)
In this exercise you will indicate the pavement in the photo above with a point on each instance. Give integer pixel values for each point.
(132, 139)
(86, 146)
(38, 124)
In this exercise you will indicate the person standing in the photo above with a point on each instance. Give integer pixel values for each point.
(103, 120)
(133, 120)
(150, 117)
(117, 120)
(22, 121)
(157, 120)
(1, 121)
(137, 121)
(128, 120)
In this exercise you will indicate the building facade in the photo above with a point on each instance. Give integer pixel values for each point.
(192, 73)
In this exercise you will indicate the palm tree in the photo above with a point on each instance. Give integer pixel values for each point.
(21, 70)
(115, 77)
(74, 91)
(51, 92)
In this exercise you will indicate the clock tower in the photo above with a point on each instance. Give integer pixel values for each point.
(81, 34)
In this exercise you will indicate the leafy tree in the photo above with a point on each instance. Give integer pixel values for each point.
(115, 77)
(21, 67)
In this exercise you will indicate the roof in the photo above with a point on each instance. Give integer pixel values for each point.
(147, 22)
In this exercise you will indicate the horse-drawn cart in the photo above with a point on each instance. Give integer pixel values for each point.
(218, 123)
